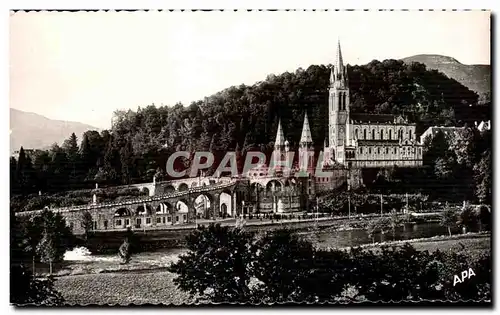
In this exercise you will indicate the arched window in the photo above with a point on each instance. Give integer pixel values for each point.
(370, 150)
(378, 150)
(373, 134)
(386, 150)
(395, 151)
(409, 134)
(382, 134)
(390, 134)
(344, 98)
(364, 134)
(400, 134)
(356, 134)
(360, 150)
(340, 101)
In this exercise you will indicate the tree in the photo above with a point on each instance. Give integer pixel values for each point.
(85, 152)
(216, 266)
(46, 249)
(483, 214)
(468, 217)
(483, 178)
(24, 287)
(87, 223)
(290, 279)
(128, 246)
(395, 221)
(126, 155)
(51, 234)
(449, 219)
(381, 225)
(70, 146)
(124, 251)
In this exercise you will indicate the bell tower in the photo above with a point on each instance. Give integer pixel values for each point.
(338, 109)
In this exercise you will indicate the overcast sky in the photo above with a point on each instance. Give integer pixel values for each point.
(83, 66)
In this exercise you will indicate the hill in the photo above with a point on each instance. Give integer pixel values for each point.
(34, 131)
(475, 77)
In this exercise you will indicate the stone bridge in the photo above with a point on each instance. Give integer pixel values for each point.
(177, 207)
(164, 187)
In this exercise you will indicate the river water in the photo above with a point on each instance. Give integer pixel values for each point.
(81, 261)
(347, 238)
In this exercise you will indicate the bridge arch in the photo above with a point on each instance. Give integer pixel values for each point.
(274, 185)
(181, 211)
(164, 213)
(203, 204)
(183, 187)
(122, 218)
(169, 189)
(226, 204)
(143, 215)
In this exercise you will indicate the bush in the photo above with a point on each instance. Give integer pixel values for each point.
(228, 264)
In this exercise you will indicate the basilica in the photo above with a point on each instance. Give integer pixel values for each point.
(356, 140)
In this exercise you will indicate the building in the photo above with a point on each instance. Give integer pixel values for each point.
(484, 125)
(27, 152)
(432, 131)
(366, 140)
(354, 141)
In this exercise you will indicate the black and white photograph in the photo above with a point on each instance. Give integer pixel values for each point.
(250, 157)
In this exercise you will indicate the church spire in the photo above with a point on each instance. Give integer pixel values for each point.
(339, 63)
(280, 138)
(338, 72)
(305, 138)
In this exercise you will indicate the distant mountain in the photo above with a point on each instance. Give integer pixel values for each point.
(475, 77)
(33, 131)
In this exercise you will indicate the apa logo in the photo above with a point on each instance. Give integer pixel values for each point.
(465, 274)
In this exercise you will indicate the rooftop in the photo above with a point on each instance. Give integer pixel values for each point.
(377, 118)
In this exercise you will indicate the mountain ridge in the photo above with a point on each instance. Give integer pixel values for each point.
(35, 131)
(477, 77)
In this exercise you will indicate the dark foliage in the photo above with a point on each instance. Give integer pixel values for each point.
(278, 267)
(25, 289)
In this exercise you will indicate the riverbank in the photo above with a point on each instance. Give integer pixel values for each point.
(128, 285)
(108, 242)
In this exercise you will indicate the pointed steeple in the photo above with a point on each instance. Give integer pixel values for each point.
(305, 137)
(338, 72)
(280, 138)
(339, 63)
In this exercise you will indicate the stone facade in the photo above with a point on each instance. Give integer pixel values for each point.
(366, 140)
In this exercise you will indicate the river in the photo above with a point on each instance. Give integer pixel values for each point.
(80, 261)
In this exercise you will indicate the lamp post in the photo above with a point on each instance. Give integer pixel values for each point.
(349, 192)
(381, 204)
(144, 229)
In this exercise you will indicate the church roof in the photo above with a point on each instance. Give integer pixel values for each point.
(378, 118)
(306, 132)
(384, 142)
(378, 142)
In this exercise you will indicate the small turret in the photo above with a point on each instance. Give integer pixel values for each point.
(279, 143)
(306, 150)
(305, 138)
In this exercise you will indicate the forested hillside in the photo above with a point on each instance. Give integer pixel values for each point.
(242, 118)
(475, 77)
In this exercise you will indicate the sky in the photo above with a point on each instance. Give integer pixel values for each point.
(81, 66)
